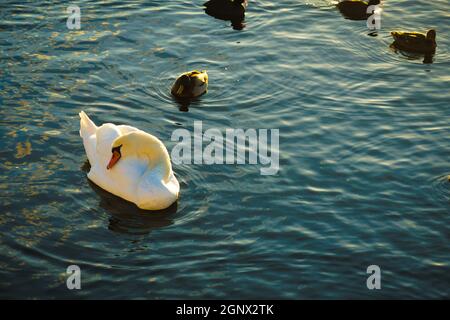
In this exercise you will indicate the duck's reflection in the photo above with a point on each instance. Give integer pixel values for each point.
(183, 103)
(238, 24)
(426, 58)
(228, 10)
(127, 218)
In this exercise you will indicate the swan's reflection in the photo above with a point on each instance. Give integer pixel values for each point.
(427, 58)
(126, 217)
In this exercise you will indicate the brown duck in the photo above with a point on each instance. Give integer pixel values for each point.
(415, 41)
(356, 9)
(226, 9)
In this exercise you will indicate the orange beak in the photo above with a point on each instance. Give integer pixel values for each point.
(115, 157)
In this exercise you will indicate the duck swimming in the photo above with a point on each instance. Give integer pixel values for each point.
(356, 9)
(226, 9)
(232, 10)
(190, 84)
(415, 42)
(129, 163)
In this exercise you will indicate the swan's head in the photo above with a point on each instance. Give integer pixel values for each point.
(190, 84)
(431, 34)
(138, 143)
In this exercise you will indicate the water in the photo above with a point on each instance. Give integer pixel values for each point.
(364, 150)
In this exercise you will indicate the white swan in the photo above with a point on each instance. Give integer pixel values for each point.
(129, 163)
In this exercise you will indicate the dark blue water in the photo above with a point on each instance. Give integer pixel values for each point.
(364, 152)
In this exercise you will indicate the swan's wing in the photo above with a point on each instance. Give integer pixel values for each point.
(124, 129)
(87, 126)
(88, 131)
(89, 146)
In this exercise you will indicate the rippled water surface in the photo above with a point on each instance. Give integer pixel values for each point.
(364, 152)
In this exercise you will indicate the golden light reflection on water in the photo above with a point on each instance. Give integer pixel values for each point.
(51, 133)
(88, 35)
(8, 165)
(12, 133)
(41, 56)
(32, 216)
(65, 234)
(30, 176)
(56, 95)
(27, 236)
(23, 149)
